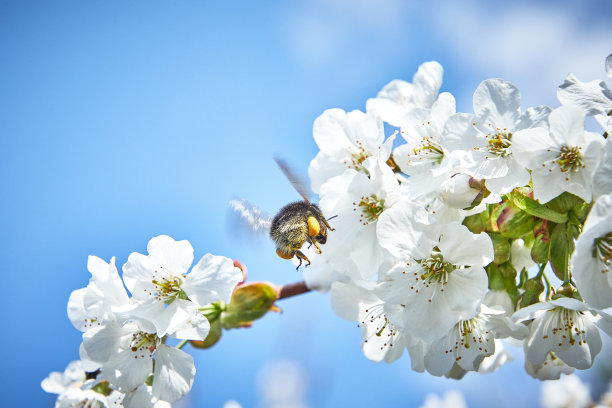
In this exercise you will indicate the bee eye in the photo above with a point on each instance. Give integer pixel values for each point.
(321, 238)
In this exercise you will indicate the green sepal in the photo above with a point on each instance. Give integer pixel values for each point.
(496, 281)
(532, 207)
(561, 246)
(508, 274)
(149, 380)
(533, 289)
(501, 246)
(102, 388)
(249, 302)
(541, 243)
(213, 336)
(477, 223)
(567, 290)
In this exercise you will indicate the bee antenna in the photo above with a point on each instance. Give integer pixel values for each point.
(331, 218)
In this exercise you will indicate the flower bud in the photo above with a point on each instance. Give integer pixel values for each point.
(511, 222)
(457, 192)
(533, 289)
(249, 302)
(541, 244)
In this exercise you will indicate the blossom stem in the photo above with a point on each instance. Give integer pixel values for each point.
(181, 344)
(541, 271)
(547, 282)
(293, 289)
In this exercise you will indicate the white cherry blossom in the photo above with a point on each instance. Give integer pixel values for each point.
(126, 354)
(471, 340)
(345, 140)
(440, 286)
(566, 327)
(358, 302)
(398, 97)
(168, 296)
(358, 200)
(592, 258)
(594, 98)
(550, 369)
(423, 157)
(486, 137)
(562, 159)
(93, 305)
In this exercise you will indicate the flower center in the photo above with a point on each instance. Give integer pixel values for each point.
(142, 341)
(357, 158)
(168, 288)
(371, 208)
(499, 143)
(602, 250)
(567, 325)
(570, 159)
(430, 151)
(376, 322)
(471, 334)
(435, 269)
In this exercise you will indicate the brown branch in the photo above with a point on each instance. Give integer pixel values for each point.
(292, 289)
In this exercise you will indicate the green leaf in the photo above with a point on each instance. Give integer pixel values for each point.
(249, 302)
(564, 202)
(532, 207)
(561, 246)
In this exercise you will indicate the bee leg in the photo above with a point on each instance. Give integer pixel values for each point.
(301, 256)
(315, 243)
(327, 224)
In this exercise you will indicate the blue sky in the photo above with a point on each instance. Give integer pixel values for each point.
(121, 120)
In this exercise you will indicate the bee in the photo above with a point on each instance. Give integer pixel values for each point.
(296, 223)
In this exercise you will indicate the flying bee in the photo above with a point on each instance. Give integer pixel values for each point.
(296, 223)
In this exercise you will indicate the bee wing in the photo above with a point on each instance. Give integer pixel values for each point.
(252, 216)
(297, 182)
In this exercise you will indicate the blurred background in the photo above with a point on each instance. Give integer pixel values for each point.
(120, 121)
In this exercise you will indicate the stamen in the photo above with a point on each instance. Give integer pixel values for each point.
(602, 250)
(371, 208)
(570, 159)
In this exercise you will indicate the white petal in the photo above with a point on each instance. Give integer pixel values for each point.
(400, 229)
(213, 278)
(497, 102)
(125, 371)
(461, 247)
(174, 372)
(177, 256)
(592, 97)
(566, 124)
(347, 300)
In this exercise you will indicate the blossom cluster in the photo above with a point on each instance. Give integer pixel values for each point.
(446, 229)
(447, 234)
(125, 360)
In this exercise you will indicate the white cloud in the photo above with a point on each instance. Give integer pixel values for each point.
(534, 46)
